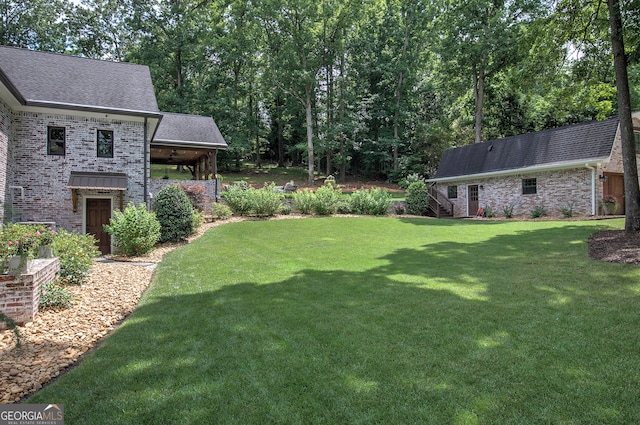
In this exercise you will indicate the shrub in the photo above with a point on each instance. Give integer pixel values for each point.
(11, 325)
(411, 178)
(304, 200)
(417, 198)
(285, 210)
(220, 211)
(76, 253)
(327, 197)
(175, 214)
(344, 206)
(54, 295)
(196, 194)
(265, 202)
(488, 212)
(135, 231)
(399, 208)
(538, 211)
(508, 210)
(372, 202)
(237, 198)
(566, 211)
(197, 218)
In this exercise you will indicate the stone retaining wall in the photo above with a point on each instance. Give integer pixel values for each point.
(20, 295)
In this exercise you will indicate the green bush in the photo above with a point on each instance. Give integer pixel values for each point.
(344, 206)
(304, 200)
(405, 182)
(76, 253)
(135, 231)
(285, 210)
(175, 214)
(417, 198)
(508, 210)
(489, 213)
(327, 198)
(220, 211)
(372, 202)
(566, 211)
(538, 211)
(54, 295)
(265, 202)
(238, 199)
(197, 218)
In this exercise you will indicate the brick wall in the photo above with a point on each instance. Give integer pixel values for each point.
(45, 177)
(5, 133)
(20, 295)
(555, 189)
(211, 186)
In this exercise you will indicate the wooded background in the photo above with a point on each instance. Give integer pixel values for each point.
(376, 88)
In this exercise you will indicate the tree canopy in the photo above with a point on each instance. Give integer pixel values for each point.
(378, 88)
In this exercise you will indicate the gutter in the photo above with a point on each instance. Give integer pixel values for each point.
(146, 166)
(512, 171)
(593, 187)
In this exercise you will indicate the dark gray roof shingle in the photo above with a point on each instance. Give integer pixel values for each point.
(51, 79)
(186, 129)
(580, 142)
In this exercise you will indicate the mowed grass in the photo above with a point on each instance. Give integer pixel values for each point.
(373, 320)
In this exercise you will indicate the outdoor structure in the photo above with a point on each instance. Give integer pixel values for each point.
(78, 135)
(577, 166)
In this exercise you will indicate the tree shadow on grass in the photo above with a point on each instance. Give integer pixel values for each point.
(441, 334)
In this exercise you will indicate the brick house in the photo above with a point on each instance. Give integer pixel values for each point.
(577, 165)
(78, 135)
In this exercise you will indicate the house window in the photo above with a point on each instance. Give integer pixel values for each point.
(105, 144)
(55, 140)
(529, 186)
(452, 192)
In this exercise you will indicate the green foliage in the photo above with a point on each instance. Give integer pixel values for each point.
(175, 214)
(344, 206)
(197, 219)
(54, 295)
(135, 231)
(411, 178)
(245, 200)
(76, 253)
(18, 239)
(538, 211)
(265, 202)
(566, 211)
(220, 211)
(326, 199)
(304, 200)
(285, 210)
(488, 212)
(372, 202)
(238, 199)
(417, 198)
(11, 325)
(508, 210)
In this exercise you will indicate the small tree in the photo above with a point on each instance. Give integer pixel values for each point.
(175, 214)
(135, 231)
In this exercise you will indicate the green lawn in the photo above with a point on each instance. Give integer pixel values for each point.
(373, 320)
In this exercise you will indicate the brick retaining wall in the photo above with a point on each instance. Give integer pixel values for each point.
(20, 295)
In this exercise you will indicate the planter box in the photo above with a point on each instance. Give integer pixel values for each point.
(20, 295)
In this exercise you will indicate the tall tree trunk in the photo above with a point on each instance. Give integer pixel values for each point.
(398, 93)
(308, 90)
(279, 135)
(629, 161)
(478, 91)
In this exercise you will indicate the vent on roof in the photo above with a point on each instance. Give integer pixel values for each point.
(490, 148)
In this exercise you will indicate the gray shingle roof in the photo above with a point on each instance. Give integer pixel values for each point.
(575, 143)
(189, 130)
(63, 81)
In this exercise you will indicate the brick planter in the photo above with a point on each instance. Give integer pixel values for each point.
(20, 295)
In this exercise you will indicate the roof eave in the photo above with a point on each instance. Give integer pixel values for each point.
(532, 169)
(189, 144)
(89, 108)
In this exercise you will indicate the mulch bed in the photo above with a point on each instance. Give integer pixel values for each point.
(615, 246)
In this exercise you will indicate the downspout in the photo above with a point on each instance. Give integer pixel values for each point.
(146, 166)
(593, 188)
